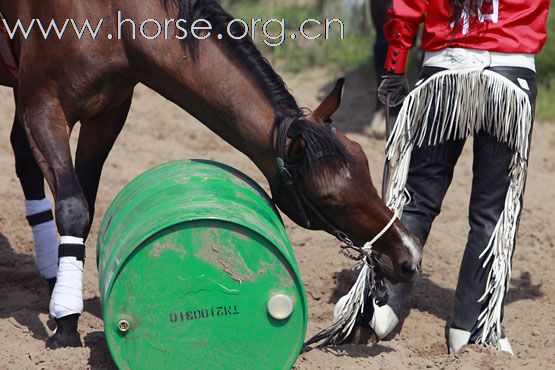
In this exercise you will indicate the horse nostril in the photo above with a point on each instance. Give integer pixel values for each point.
(408, 269)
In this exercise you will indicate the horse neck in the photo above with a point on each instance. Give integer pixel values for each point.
(220, 93)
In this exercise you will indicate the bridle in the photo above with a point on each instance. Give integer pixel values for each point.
(288, 175)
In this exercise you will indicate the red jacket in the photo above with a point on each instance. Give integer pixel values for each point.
(505, 26)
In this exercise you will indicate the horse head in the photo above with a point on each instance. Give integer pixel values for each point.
(325, 184)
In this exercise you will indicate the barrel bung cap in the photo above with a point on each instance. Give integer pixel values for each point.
(280, 306)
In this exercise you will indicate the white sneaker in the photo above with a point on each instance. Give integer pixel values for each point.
(458, 338)
(505, 346)
(383, 321)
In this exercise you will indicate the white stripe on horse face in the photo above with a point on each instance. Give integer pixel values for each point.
(414, 249)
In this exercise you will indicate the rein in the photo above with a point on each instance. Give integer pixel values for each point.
(288, 176)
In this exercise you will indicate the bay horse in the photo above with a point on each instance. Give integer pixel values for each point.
(223, 82)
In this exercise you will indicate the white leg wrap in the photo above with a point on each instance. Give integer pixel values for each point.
(384, 320)
(45, 238)
(458, 338)
(32, 207)
(67, 297)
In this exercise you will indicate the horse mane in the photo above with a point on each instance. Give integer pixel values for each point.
(248, 54)
(320, 139)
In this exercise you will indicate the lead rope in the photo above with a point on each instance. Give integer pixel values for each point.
(367, 286)
(366, 250)
(369, 245)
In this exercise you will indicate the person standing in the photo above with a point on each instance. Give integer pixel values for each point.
(478, 78)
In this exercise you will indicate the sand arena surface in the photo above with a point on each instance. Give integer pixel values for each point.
(158, 131)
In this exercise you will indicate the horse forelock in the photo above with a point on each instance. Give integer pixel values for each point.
(324, 150)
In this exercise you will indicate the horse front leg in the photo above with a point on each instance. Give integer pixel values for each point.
(96, 138)
(37, 208)
(48, 133)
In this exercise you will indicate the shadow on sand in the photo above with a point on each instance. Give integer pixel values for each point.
(24, 295)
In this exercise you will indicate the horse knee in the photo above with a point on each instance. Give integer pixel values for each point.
(72, 216)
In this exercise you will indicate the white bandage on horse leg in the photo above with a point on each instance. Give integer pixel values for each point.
(41, 220)
(67, 297)
(384, 320)
(458, 338)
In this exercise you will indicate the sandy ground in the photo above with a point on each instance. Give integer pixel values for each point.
(158, 132)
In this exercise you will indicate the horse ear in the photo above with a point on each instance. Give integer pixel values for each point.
(296, 150)
(330, 104)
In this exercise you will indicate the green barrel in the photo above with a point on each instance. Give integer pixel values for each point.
(196, 272)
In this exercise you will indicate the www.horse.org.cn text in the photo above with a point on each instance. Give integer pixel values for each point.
(273, 32)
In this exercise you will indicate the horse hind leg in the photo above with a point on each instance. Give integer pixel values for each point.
(47, 130)
(37, 208)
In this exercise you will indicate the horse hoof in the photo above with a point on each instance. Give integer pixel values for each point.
(66, 334)
(363, 335)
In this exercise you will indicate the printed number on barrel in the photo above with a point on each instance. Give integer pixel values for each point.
(206, 313)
